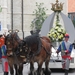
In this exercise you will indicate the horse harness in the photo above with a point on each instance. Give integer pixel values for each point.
(31, 54)
(9, 42)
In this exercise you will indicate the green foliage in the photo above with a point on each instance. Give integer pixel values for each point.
(73, 22)
(40, 16)
(0, 9)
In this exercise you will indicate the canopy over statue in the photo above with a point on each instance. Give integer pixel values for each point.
(48, 23)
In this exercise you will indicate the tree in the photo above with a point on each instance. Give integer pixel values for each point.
(0, 9)
(40, 16)
(73, 22)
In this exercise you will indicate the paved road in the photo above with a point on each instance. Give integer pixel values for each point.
(54, 71)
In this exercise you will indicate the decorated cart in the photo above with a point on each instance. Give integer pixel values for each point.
(55, 26)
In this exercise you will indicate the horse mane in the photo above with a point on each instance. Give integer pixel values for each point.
(6, 37)
(32, 39)
(16, 36)
(11, 36)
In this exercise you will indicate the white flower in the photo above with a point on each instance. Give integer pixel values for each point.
(57, 33)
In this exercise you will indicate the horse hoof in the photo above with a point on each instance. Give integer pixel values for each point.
(47, 72)
(32, 73)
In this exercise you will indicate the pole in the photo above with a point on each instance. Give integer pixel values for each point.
(22, 20)
(12, 15)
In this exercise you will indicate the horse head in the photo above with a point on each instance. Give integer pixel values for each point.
(29, 47)
(24, 50)
(12, 40)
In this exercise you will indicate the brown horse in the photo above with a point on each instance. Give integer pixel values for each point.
(37, 49)
(14, 59)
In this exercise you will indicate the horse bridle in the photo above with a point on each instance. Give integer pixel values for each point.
(26, 49)
(10, 40)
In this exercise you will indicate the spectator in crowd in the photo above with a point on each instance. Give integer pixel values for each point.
(3, 57)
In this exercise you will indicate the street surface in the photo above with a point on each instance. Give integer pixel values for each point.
(54, 71)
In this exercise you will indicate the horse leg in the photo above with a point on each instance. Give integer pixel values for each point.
(11, 63)
(11, 70)
(47, 71)
(39, 70)
(32, 68)
(16, 69)
(20, 70)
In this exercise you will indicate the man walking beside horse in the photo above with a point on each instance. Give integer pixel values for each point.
(65, 48)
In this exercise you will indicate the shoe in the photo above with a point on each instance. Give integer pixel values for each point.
(5, 73)
(66, 72)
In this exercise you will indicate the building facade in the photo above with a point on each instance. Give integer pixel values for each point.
(18, 14)
(3, 16)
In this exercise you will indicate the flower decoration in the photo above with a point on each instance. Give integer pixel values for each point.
(57, 33)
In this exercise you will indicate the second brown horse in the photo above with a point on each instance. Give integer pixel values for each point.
(37, 49)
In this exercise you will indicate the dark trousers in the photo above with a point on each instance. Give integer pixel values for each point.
(5, 73)
(66, 72)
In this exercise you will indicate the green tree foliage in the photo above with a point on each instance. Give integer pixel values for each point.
(73, 22)
(0, 9)
(40, 16)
